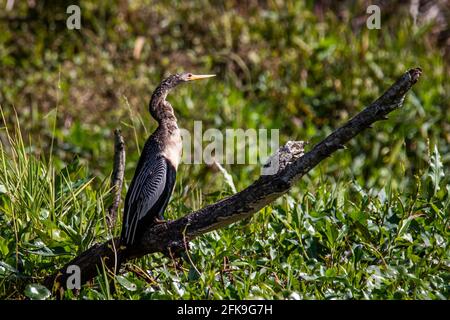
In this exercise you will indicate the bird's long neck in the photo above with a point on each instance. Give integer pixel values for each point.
(161, 110)
(167, 132)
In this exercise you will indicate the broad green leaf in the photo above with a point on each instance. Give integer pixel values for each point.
(437, 169)
(4, 246)
(37, 291)
(6, 269)
(127, 284)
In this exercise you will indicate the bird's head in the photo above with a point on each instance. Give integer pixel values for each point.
(157, 102)
(178, 78)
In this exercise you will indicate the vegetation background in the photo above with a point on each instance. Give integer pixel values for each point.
(372, 222)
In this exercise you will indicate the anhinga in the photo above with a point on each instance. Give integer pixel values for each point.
(154, 178)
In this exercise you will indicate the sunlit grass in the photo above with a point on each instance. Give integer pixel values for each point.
(372, 222)
(336, 241)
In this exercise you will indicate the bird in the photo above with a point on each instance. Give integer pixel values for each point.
(154, 178)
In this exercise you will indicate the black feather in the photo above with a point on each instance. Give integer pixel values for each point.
(149, 193)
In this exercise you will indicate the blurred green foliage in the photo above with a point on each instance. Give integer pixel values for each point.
(297, 66)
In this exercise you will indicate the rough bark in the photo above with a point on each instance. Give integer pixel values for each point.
(173, 234)
(117, 177)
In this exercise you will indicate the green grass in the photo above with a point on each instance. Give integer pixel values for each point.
(329, 241)
(369, 223)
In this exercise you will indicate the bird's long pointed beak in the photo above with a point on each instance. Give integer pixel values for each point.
(200, 76)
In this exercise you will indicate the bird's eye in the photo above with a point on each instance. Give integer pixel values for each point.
(189, 75)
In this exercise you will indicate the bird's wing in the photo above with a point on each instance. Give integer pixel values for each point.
(145, 191)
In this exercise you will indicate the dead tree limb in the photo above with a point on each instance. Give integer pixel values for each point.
(173, 234)
(117, 177)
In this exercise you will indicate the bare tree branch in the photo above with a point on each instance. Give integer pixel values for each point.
(117, 177)
(173, 234)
